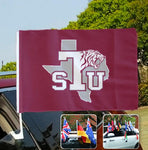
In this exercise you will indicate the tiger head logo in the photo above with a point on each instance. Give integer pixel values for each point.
(91, 58)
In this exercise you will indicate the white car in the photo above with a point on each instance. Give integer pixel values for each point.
(117, 139)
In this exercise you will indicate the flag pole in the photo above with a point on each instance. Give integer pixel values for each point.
(64, 118)
(19, 135)
(77, 126)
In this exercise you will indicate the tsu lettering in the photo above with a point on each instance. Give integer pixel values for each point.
(86, 70)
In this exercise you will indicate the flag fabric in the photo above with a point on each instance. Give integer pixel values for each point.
(66, 130)
(77, 70)
(137, 136)
(126, 127)
(64, 137)
(82, 133)
(89, 132)
(118, 126)
(109, 128)
(115, 122)
(125, 135)
(113, 126)
(130, 126)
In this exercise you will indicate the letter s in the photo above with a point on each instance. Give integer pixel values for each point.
(58, 77)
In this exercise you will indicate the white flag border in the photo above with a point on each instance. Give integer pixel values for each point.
(19, 135)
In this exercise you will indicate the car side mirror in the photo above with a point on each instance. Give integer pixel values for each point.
(111, 134)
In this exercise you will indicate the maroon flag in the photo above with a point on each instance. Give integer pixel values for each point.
(71, 70)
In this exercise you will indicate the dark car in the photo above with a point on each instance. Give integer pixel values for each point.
(41, 129)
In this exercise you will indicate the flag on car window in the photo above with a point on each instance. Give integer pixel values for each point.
(125, 135)
(77, 70)
(118, 126)
(109, 128)
(82, 133)
(66, 130)
(130, 126)
(89, 132)
(126, 126)
(113, 126)
(137, 136)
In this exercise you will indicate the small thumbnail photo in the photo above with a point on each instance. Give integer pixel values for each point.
(78, 131)
(120, 131)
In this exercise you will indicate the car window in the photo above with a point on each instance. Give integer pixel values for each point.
(8, 142)
(11, 96)
(45, 126)
(5, 128)
(131, 133)
(119, 133)
(116, 133)
(106, 136)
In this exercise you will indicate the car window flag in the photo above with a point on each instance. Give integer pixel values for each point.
(109, 128)
(82, 133)
(73, 70)
(66, 130)
(126, 127)
(89, 132)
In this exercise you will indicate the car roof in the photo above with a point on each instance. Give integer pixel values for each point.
(5, 83)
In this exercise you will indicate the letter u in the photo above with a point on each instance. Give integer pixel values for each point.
(92, 85)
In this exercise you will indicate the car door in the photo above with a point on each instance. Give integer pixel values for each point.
(121, 140)
(132, 139)
(109, 140)
(115, 139)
